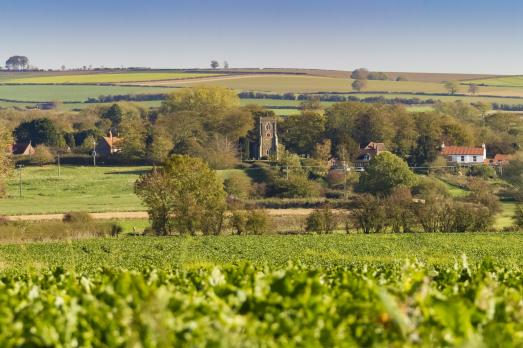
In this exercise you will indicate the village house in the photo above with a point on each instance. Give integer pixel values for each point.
(368, 153)
(463, 155)
(108, 145)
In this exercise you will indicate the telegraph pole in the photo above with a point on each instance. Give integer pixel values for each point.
(20, 179)
(94, 153)
(58, 160)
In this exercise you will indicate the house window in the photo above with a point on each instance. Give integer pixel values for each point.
(450, 158)
(475, 158)
(462, 158)
(366, 157)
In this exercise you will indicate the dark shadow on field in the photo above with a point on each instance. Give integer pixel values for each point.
(130, 172)
(258, 174)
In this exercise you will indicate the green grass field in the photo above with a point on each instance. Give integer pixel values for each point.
(78, 189)
(70, 93)
(107, 78)
(508, 81)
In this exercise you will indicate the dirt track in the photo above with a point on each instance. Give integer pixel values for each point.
(140, 215)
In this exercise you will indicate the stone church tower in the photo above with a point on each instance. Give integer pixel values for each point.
(268, 143)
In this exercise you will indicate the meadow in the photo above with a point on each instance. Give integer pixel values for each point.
(106, 78)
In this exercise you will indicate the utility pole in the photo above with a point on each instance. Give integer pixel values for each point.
(94, 153)
(20, 179)
(58, 160)
(345, 180)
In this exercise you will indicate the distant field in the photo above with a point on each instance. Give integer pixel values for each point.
(508, 81)
(70, 93)
(107, 78)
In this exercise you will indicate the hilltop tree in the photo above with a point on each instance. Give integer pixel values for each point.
(185, 196)
(358, 85)
(226, 65)
(214, 64)
(451, 86)
(385, 172)
(473, 88)
(360, 74)
(17, 63)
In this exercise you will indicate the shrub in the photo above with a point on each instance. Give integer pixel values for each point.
(482, 171)
(238, 185)
(369, 214)
(518, 217)
(321, 221)
(249, 222)
(42, 155)
(77, 218)
(116, 229)
(296, 186)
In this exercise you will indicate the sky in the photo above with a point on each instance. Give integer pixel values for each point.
(460, 36)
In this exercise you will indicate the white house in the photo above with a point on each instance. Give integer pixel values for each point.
(463, 155)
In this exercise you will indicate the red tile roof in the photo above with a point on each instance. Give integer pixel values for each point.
(501, 158)
(461, 150)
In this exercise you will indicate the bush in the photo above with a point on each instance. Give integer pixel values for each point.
(249, 222)
(77, 218)
(321, 221)
(296, 186)
(518, 217)
(238, 185)
(369, 214)
(116, 229)
(482, 171)
(42, 155)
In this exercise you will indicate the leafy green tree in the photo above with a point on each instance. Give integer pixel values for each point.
(321, 221)
(301, 133)
(184, 197)
(17, 63)
(385, 172)
(37, 131)
(238, 185)
(358, 85)
(451, 86)
(377, 75)
(360, 74)
(160, 147)
(133, 131)
(114, 114)
(215, 64)
(6, 164)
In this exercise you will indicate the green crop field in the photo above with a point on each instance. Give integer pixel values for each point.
(106, 78)
(406, 290)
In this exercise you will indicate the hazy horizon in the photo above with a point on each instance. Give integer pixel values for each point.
(406, 35)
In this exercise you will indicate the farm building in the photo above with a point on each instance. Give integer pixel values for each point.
(368, 153)
(109, 145)
(26, 149)
(464, 155)
(500, 160)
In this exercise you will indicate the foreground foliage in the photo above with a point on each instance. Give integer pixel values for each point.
(244, 305)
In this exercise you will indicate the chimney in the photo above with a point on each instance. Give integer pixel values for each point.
(484, 150)
(442, 145)
(111, 136)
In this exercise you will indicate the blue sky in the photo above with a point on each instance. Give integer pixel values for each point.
(405, 35)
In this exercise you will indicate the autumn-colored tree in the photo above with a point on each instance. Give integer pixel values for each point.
(358, 85)
(5, 156)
